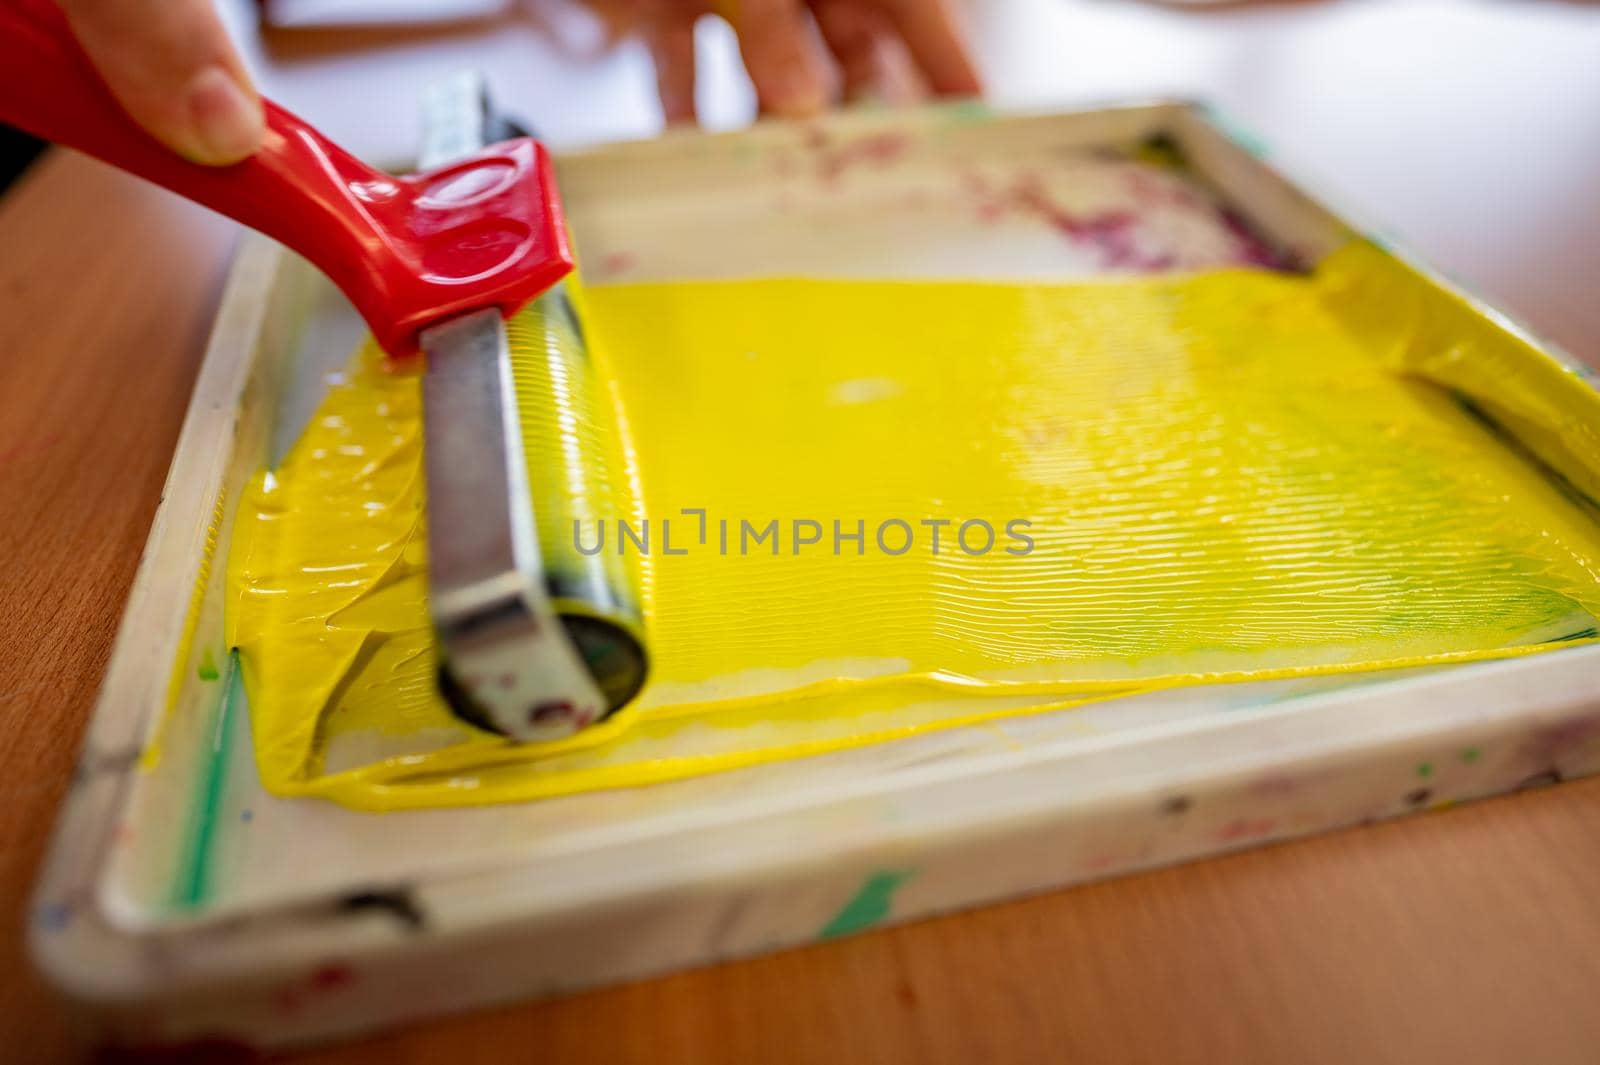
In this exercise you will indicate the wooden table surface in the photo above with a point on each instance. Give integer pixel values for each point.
(1473, 935)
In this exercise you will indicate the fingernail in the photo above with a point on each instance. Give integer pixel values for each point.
(227, 122)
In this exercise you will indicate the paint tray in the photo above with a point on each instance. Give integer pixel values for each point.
(182, 903)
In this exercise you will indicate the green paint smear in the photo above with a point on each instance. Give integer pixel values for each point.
(870, 904)
(208, 666)
(962, 112)
(193, 884)
(1425, 769)
(1237, 132)
(1470, 755)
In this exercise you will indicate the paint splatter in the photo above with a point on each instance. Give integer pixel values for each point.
(1244, 828)
(332, 975)
(1113, 233)
(1275, 786)
(871, 903)
(617, 262)
(1178, 804)
(207, 669)
(1549, 744)
(877, 150)
(1425, 770)
(964, 112)
(52, 916)
(1153, 190)
(1250, 248)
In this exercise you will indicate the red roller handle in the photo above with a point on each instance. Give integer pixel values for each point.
(409, 251)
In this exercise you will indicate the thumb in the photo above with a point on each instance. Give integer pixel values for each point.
(172, 68)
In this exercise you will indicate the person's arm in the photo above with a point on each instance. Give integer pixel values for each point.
(171, 66)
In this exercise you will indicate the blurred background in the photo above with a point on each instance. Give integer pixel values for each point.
(1469, 129)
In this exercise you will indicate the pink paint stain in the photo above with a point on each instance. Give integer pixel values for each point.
(1151, 190)
(1275, 786)
(332, 975)
(1099, 863)
(1563, 738)
(1245, 828)
(877, 150)
(1249, 248)
(1112, 233)
(292, 998)
(618, 262)
(31, 448)
(990, 206)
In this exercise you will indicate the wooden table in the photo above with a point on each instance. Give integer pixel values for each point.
(1465, 936)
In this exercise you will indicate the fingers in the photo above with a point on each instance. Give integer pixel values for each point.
(937, 43)
(781, 54)
(671, 41)
(171, 66)
(854, 34)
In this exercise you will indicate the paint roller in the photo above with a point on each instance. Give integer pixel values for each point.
(536, 639)
(557, 409)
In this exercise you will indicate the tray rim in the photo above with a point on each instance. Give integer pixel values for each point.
(133, 967)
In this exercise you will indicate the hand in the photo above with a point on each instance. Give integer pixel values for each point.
(171, 66)
(798, 52)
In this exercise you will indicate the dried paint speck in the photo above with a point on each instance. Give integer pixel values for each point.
(53, 916)
(870, 904)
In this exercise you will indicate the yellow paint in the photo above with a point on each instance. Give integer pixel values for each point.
(1229, 476)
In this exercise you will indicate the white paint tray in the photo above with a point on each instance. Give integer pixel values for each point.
(182, 903)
